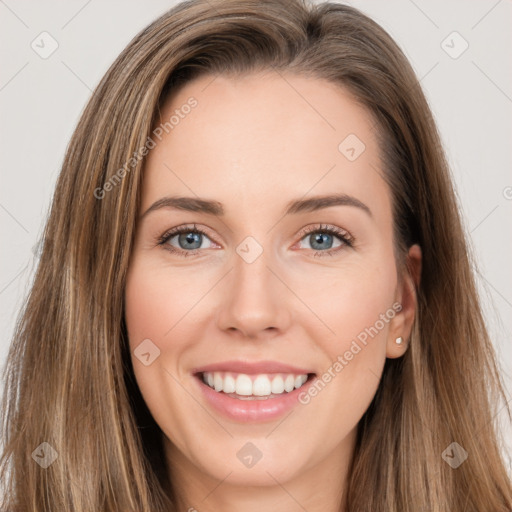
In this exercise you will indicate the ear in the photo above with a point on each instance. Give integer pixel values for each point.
(401, 325)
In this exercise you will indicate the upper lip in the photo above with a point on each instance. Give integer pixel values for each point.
(251, 367)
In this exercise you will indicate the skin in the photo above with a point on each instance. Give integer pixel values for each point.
(254, 143)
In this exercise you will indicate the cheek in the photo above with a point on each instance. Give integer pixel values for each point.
(169, 306)
(348, 301)
(363, 298)
(145, 299)
(159, 302)
(157, 309)
(357, 307)
(152, 313)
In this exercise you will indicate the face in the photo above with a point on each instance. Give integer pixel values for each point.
(254, 284)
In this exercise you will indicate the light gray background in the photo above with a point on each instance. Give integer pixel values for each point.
(471, 97)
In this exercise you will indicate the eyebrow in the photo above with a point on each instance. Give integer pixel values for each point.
(210, 207)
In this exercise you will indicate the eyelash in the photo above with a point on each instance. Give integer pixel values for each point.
(347, 239)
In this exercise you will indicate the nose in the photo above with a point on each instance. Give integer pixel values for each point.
(254, 303)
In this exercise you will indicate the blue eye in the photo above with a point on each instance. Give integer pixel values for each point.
(323, 240)
(326, 240)
(189, 240)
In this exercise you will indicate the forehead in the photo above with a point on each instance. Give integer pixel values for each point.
(264, 138)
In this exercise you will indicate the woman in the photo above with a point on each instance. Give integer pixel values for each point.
(254, 291)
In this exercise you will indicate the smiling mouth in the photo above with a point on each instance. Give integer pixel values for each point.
(261, 386)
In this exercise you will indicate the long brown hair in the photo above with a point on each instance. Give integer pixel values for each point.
(69, 380)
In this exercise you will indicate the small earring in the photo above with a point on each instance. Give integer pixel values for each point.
(399, 340)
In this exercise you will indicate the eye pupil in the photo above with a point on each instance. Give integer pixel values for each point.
(320, 238)
(190, 238)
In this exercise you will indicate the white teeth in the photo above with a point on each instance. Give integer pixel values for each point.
(262, 385)
(243, 384)
(229, 385)
(277, 385)
(217, 382)
(289, 383)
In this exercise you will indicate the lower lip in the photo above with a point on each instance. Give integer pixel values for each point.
(246, 411)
